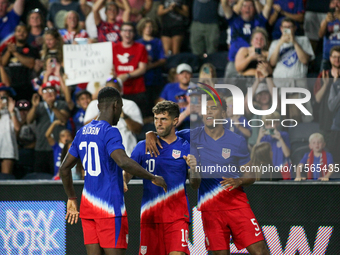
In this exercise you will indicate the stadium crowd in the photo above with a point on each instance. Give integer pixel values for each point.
(158, 47)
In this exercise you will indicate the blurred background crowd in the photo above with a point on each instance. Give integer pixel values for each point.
(158, 47)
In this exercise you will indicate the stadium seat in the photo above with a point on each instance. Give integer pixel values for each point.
(299, 135)
(7, 176)
(185, 57)
(38, 176)
(219, 60)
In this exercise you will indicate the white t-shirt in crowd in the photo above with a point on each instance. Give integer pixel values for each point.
(131, 109)
(288, 65)
(91, 27)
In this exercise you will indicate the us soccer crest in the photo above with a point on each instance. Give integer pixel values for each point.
(226, 153)
(176, 154)
(143, 249)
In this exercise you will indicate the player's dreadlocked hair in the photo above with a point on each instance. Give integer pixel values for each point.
(166, 106)
(108, 94)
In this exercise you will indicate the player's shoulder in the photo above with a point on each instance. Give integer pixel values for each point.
(182, 142)
(233, 137)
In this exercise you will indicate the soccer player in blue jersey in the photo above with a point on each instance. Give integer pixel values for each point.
(224, 205)
(165, 217)
(102, 209)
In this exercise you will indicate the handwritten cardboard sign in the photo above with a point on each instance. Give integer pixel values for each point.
(87, 62)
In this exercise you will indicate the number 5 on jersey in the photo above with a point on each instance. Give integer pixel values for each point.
(91, 151)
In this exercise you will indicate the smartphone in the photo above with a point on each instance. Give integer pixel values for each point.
(206, 70)
(53, 62)
(269, 131)
(258, 51)
(287, 31)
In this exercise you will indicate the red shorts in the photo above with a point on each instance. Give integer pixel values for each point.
(240, 223)
(163, 238)
(108, 232)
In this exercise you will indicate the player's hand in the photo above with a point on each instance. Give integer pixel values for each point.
(233, 183)
(151, 142)
(159, 181)
(191, 161)
(323, 179)
(72, 213)
(125, 187)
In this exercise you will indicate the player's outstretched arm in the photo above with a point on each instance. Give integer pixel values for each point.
(133, 168)
(194, 176)
(151, 142)
(66, 176)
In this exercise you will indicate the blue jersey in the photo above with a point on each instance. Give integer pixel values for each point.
(158, 206)
(170, 91)
(317, 161)
(234, 129)
(331, 38)
(8, 24)
(103, 194)
(153, 77)
(57, 149)
(241, 32)
(224, 156)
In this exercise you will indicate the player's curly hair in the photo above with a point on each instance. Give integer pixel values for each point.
(166, 106)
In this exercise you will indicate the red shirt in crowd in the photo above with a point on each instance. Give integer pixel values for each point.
(108, 32)
(126, 60)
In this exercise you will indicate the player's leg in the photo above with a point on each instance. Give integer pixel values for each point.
(224, 252)
(259, 248)
(151, 239)
(93, 249)
(109, 251)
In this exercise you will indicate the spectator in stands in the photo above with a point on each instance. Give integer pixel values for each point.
(322, 89)
(57, 146)
(44, 113)
(290, 55)
(262, 156)
(318, 161)
(83, 99)
(4, 78)
(293, 9)
(334, 107)
(19, 58)
(109, 30)
(156, 59)
(53, 45)
(58, 11)
(236, 123)
(72, 29)
(90, 24)
(184, 74)
(130, 63)
(204, 31)
(175, 16)
(262, 100)
(329, 31)
(241, 28)
(279, 141)
(9, 21)
(26, 141)
(130, 122)
(248, 58)
(139, 8)
(35, 26)
(10, 126)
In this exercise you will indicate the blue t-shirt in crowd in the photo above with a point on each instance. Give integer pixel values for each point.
(316, 161)
(56, 155)
(291, 6)
(155, 50)
(170, 91)
(241, 32)
(331, 38)
(279, 158)
(234, 129)
(8, 24)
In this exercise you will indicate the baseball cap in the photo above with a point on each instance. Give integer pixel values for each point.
(183, 67)
(261, 87)
(50, 84)
(10, 90)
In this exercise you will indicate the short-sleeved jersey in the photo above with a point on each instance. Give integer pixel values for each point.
(103, 195)
(241, 32)
(68, 37)
(229, 152)
(126, 60)
(170, 91)
(109, 32)
(158, 206)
